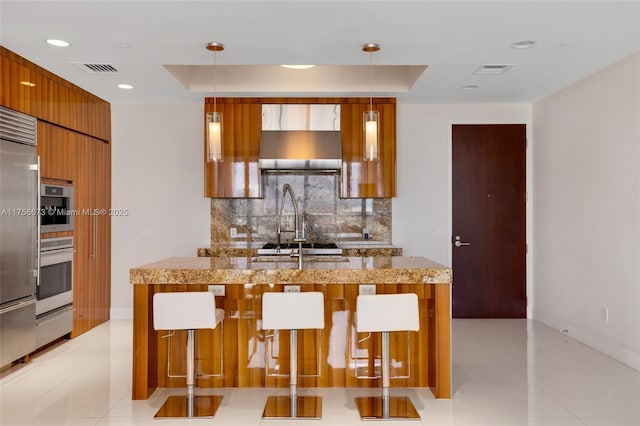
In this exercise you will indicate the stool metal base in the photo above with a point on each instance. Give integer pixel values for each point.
(178, 407)
(398, 408)
(293, 407)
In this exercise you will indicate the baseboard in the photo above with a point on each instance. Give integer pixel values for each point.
(599, 343)
(121, 313)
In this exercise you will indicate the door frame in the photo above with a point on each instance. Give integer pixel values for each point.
(528, 188)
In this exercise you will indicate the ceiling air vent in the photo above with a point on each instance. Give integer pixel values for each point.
(96, 68)
(492, 69)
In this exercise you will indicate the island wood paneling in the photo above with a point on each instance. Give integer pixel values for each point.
(144, 374)
(248, 351)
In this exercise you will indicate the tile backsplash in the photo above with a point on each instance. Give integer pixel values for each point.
(328, 217)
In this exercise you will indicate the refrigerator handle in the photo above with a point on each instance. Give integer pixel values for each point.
(39, 224)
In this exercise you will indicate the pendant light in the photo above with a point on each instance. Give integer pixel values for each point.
(370, 119)
(214, 119)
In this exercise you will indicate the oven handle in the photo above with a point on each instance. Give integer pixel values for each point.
(53, 316)
(53, 257)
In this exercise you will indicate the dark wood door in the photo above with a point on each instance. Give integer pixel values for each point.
(489, 221)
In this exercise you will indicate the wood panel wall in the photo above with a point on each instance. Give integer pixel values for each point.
(74, 145)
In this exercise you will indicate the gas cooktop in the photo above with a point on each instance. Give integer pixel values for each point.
(309, 248)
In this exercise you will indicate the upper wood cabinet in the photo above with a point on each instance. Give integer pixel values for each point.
(57, 152)
(368, 179)
(32, 90)
(238, 175)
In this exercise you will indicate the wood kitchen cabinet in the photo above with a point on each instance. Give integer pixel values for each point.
(238, 175)
(92, 229)
(74, 133)
(368, 179)
(32, 90)
(86, 163)
(57, 151)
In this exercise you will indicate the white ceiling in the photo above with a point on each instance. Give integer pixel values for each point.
(167, 61)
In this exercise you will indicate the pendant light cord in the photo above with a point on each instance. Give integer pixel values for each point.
(215, 79)
(370, 81)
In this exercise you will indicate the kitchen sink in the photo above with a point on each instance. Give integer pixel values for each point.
(324, 249)
(289, 259)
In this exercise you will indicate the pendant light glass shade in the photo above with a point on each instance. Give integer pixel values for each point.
(370, 121)
(214, 137)
(370, 135)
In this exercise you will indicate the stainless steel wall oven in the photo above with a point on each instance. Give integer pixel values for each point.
(54, 305)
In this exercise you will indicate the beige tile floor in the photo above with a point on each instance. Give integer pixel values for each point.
(505, 373)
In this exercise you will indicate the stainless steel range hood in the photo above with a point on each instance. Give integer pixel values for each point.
(300, 137)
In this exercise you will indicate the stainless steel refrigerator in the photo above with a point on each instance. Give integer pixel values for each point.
(19, 235)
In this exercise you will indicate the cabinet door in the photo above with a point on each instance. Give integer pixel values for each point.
(238, 176)
(102, 234)
(91, 296)
(368, 179)
(57, 151)
(84, 267)
(15, 95)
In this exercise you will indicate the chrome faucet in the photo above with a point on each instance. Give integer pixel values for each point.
(298, 224)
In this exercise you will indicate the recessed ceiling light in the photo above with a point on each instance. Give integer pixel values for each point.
(124, 45)
(58, 43)
(470, 87)
(125, 86)
(27, 83)
(298, 67)
(524, 44)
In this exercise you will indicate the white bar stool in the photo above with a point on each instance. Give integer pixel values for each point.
(187, 311)
(385, 313)
(293, 311)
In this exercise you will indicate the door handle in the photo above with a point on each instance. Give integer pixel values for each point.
(459, 243)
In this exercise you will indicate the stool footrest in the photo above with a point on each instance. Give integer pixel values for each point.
(293, 407)
(179, 406)
(394, 408)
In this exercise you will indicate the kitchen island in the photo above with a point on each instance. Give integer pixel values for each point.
(241, 354)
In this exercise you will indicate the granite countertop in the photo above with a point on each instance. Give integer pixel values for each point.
(252, 270)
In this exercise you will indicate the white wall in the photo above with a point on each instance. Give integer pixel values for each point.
(422, 209)
(587, 210)
(157, 158)
(157, 175)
